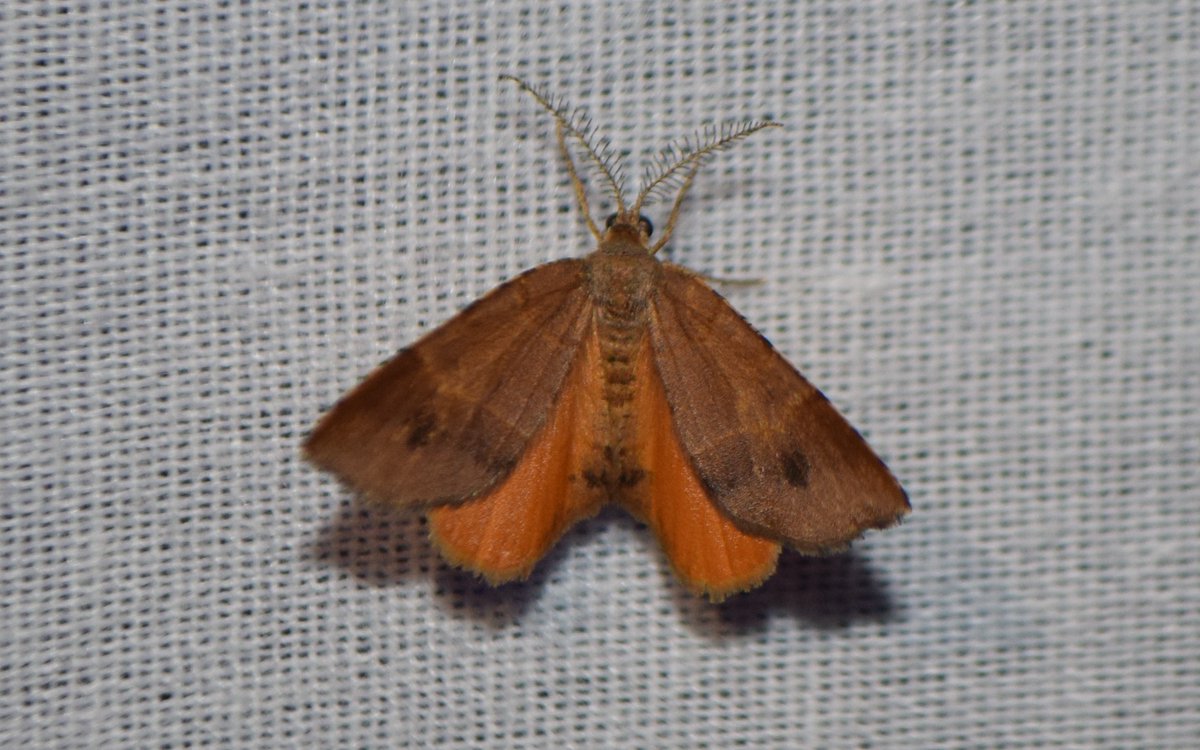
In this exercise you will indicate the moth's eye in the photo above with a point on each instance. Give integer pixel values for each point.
(643, 222)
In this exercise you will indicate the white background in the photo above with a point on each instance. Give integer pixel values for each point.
(978, 234)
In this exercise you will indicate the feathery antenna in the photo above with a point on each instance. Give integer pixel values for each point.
(579, 125)
(673, 167)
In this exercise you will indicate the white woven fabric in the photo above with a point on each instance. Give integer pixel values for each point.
(978, 234)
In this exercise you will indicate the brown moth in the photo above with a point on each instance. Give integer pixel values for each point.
(610, 378)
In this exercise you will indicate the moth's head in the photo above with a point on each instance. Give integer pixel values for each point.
(627, 225)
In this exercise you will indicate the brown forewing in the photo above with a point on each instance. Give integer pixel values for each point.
(706, 548)
(504, 532)
(448, 418)
(767, 446)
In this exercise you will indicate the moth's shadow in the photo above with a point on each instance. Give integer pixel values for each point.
(375, 545)
(385, 547)
(827, 592)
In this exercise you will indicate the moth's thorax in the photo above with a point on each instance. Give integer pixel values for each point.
(622, 275)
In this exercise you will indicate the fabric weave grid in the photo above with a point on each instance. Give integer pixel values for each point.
(977, 234)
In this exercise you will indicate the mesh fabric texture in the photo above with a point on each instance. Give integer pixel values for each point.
(977, 234)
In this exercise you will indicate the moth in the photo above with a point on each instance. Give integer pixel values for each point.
(612, 378)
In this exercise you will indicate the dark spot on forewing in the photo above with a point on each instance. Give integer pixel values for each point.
(421, 428)
(712, 485)
(502, 466)
(796, 468)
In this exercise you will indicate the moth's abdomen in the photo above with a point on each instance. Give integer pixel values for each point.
(614, 466)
